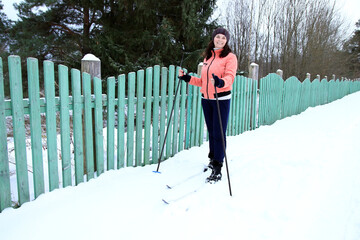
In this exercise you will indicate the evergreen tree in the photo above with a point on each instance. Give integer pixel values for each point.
(4, 31)
(126, 35)
(138, 34)
(57, 30)
(5, 25)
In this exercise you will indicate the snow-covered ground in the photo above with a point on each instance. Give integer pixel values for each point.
(297, 179)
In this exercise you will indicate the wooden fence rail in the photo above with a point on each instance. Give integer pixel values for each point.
(129, 121)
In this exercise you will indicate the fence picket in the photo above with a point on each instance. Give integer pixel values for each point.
(164, 74)
(188, 117)
(139, 117)
(99, 136)
(155, 120)
(233, 120)
(176, 115)
(77, 126)
(193, 116)
(130, 122)
(88, 126)
(147, 124)
(254, 104)
(248, 104)
(243, 107)
(121, 122)
(182, 116)
(65, 124)
(35, 126)
(18, 128)
(5, 193)
(110, 143)
(49, 84)
(170, 102)
(198, 117)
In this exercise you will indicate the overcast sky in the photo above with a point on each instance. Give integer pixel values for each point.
(351, 9)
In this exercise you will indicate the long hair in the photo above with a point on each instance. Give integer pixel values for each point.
(208, 51)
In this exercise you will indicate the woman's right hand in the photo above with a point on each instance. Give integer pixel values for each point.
(184, 77)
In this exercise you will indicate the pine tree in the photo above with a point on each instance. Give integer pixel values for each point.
(138, 34)
(4, 31)
(126, 35)
(60, 31)
(5, 25)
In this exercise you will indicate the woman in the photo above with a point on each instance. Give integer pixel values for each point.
(219, 70)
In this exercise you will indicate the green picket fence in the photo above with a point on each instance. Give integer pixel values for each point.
(280, 99)
(137, 105)
(243, 109)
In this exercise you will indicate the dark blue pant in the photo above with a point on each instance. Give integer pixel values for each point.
(213, 126)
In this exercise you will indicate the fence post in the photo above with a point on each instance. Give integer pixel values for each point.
(318, 77)
(254, 71)
(91, 65)
(254, 74)
(199, 68)
(333, 77)
(280, 73)
(308, 76)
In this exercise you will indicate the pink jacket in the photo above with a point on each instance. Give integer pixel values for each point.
(224, 68)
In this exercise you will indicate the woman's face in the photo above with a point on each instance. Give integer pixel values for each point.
(220, 40)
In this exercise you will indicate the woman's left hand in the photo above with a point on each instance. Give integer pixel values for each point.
(217, 82)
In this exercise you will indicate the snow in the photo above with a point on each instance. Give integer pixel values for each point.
(296, 179)
(90, 57)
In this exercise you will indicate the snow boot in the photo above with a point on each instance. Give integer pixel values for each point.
(211, 160)
(216, 172)
(210, 165)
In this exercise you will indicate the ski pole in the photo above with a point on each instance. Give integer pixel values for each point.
(171, 113)
(223, 139)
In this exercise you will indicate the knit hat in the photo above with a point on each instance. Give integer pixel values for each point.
(221, 31)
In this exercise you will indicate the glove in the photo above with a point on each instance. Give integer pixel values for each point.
(218, 82)
(185, 77)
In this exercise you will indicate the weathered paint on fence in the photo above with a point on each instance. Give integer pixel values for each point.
(49, 80)
(19, 128)
(141, 116)
(121, 122)
(35, 126)
(65, 124)
(5, 194)
(77, 126)
(110, 123)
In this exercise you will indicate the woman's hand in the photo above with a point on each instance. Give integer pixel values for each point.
(217, 82)
(184, 77)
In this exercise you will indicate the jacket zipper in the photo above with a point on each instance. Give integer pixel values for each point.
(207, 74)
